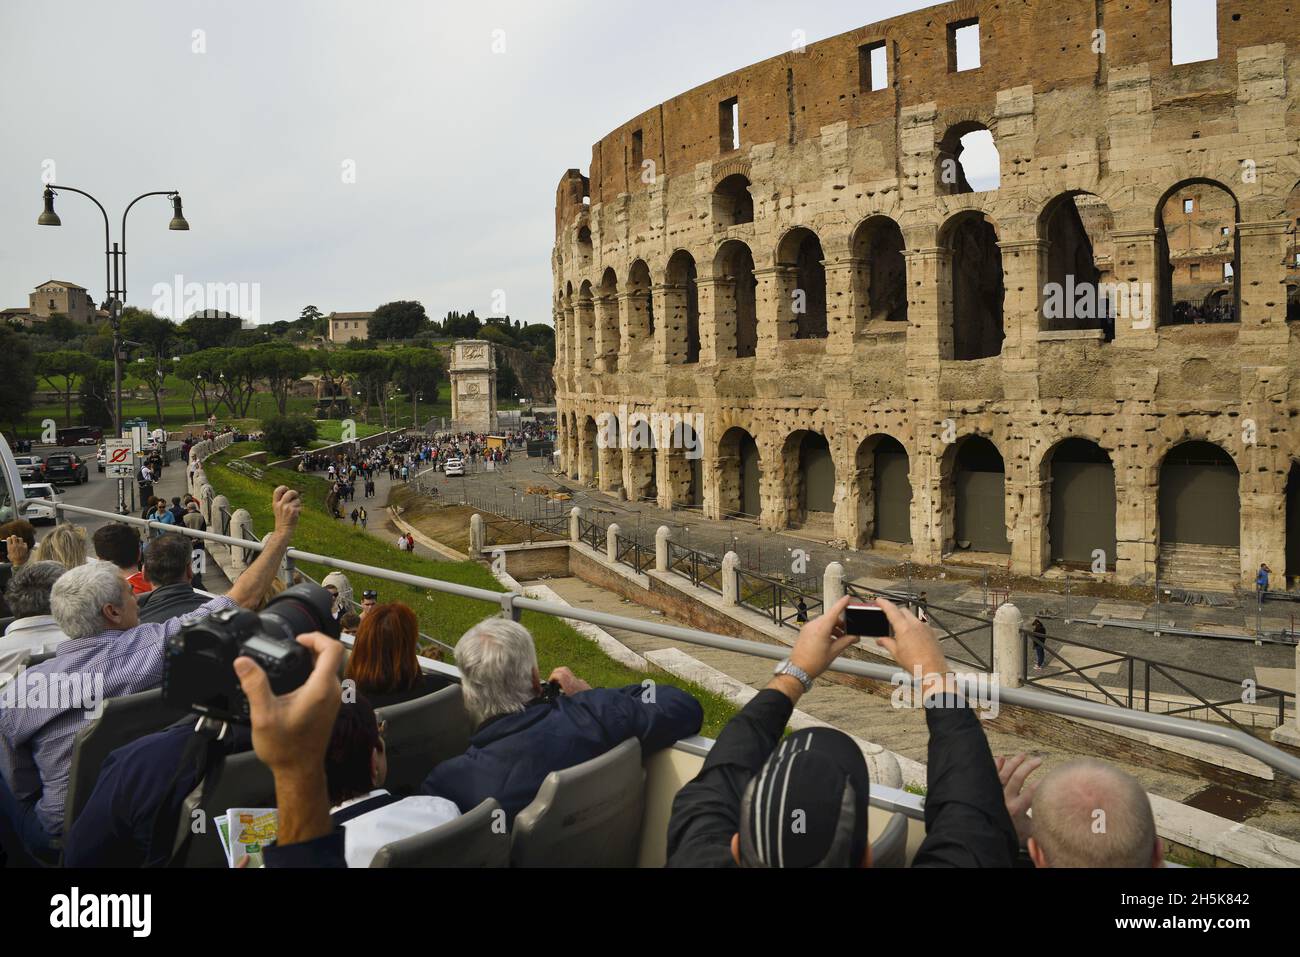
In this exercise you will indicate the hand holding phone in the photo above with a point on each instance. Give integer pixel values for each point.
(866, 620)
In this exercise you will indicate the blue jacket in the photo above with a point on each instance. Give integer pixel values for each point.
(510, 756)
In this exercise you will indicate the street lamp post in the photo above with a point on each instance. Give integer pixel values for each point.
(114, 283)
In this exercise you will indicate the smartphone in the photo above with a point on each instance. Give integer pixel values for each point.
(866, 620)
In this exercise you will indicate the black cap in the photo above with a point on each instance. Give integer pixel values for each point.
(807, 807)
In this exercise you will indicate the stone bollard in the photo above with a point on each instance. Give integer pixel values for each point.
(832, 584)
(477, 538)
(206, 494)
(241, 526)
(611, 543)
(661, 548)
(219, 503)
(575, 530)
(1290, 733)
(730, 588)
(1008, 646)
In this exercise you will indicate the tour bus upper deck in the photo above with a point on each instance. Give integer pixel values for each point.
(900, 825)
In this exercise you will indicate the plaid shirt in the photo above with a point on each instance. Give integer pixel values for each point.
(36, 743)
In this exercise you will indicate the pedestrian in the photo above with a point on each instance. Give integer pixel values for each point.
(355, 515)
(1261, 581)
(801, 611)
(1039, 632)
(401, 542)
(361, 514)
(921, 601)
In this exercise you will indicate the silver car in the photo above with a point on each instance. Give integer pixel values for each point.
(41, 498)
(30, 467)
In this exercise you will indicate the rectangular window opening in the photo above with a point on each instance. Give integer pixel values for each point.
(1227, 272)
(729, 124)
(873, 67)
(1189, 206)
(964, 45)
(1194, 27)
(638, 150)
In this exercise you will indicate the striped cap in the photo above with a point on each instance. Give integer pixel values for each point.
(807, 806)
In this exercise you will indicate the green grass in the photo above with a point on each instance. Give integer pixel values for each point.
(442, 616)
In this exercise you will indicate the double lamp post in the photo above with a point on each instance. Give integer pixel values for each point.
(114, 284)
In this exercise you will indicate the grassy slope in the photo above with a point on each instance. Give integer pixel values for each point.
(442, 616)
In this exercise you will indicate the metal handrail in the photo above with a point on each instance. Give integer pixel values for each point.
(1206, 733)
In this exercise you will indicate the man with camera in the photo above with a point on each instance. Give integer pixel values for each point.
(527, 730)
(98, 612)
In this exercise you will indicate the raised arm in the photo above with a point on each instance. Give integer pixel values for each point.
(248, 589)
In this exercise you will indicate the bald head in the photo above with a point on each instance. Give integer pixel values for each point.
(1089, 814)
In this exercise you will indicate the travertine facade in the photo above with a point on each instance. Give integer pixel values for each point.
(474, 386)
(857, 334)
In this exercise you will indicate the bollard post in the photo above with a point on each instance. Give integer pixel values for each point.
(611, 543)
(832, 585)
(661, 548)
(575, 530)
(1008, 657)
(477, 538)
(730, 589)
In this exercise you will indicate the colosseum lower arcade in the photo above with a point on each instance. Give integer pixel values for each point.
(1037, 312)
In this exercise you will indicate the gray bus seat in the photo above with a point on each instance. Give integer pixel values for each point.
(421, 733)
(585, 816)
(476, 839)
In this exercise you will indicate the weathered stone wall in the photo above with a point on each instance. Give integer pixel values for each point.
(1122, 130)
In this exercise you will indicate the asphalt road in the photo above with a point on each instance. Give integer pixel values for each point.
(101, 492)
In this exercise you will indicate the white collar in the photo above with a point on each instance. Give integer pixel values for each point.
(378, 792)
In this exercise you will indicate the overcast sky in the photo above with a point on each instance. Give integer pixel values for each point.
(457, 149)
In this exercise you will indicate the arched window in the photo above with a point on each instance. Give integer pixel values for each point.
(733, 204)
(1199, 254)
(968, 161)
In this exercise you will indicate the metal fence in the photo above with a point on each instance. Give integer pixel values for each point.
(632, 553)
(699, 568)
(965, 638)
(786, 605)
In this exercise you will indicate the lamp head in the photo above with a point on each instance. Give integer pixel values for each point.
(178, 219)
(49, 217)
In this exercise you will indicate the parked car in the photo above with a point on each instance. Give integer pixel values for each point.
(66, 467)
(454, 467)
(31, 468)
(42, 497)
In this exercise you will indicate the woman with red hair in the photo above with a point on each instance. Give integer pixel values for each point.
(383, 661)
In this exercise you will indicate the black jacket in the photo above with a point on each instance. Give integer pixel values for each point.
(966, 819)
(168, 602)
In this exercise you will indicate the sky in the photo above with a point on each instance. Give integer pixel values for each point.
(337, 153)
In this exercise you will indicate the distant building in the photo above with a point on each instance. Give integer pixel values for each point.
(56, 296)
(346, 326)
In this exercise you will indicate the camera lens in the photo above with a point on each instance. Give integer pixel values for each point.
(301, 609)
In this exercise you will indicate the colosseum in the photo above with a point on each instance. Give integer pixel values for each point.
(786, 296)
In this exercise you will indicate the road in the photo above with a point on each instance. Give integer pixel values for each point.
(101, 492)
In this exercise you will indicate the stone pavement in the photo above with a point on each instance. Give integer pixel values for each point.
(503, 492)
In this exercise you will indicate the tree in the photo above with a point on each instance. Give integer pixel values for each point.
(155, 332)
(371, 370)
(96, 393)
(461, 327)
(17, 377)
(203, 371)
(507, 382)
(61, 328)
(281, 366)
(211, 329)
(397, 320)
(60, 371)
(282, 434)
(418, 372)
(311, 322)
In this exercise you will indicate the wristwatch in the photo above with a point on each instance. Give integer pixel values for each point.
(788, 667)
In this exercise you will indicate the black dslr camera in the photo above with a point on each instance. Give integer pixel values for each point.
(551, 691)
(198, 661)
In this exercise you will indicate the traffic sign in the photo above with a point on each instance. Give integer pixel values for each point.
(117, 458)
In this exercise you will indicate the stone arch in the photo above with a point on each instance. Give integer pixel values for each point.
(607, 321)
(589, 451)
(974, 489)
(685, 465)
(740, 470)
(640, 459)
(1198, 252)
(584, 314)
(733, 202)
(880, 271)
(640, 304)
(801, 285)
(883, 488)
(1292, 493)
(735, 300)
(967, 151)
(682, 307)
(1082, 506)
(972, 292)
(1199, 515)
(1078, 228)
(809, 476)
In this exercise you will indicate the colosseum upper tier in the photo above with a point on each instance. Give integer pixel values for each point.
(793, 295)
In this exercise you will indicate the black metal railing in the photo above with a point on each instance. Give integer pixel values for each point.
(699, 568)
(1137, 680)
(632, 553)
(593, 534)
(776, 599)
